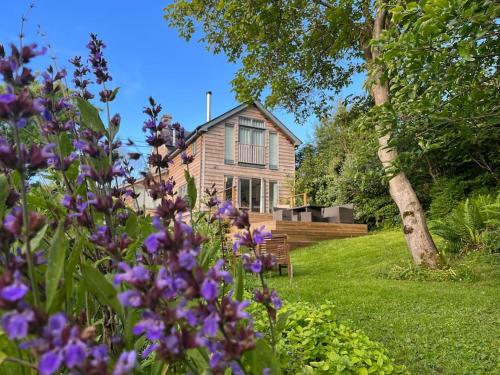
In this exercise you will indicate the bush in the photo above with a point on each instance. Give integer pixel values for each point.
(445, 194)
(472, 226)
(310, 341)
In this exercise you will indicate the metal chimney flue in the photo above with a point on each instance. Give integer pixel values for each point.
(209, 106)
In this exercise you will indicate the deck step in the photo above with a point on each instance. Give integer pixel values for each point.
(303, 234)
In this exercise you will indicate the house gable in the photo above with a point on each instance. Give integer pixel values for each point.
(265, 112)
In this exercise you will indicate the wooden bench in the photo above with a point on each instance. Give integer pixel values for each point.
(277, 247)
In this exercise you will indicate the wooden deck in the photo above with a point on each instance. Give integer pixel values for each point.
(303, 234)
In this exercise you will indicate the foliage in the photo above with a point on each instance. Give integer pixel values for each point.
(311, 341)
(341, 167)
(473, 225)
(445, 327)
(88, 285)
(446, 192)
(304, 52)
(441, 59)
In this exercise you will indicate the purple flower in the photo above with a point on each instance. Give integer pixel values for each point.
(187, 259)
(16, 324)
(217, 273)
(125, 363)
(7, 98)
(209, 290)
(67, 201)
(13, 222)
(75, 352)
(151, 325)
(276, 300)
(15, 291)
(237, 369)
(131, 275)
(259, 234)
(50, 362)
(152, 242)
(256, 266)
(211, 324)
(99, 354)
(130, 298)
(56, 324)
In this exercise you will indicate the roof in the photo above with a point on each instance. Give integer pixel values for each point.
(206, 126)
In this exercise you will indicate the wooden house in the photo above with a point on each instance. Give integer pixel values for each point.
(248, 154)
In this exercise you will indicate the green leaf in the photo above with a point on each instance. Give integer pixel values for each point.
(240, 279)
(191, 188)
(4, 192)
(132, 225)
(35, 241)
(2, 357)
(74, 257)
(89, 115)
(55, 263)
(100, 287)
(263, 357)
(199, 360)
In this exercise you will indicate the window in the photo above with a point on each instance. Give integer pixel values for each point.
(244, 190)
(273, 194)
(251, 136)
(273, 150)
(251, 122)
(228, 188)
(193, 148)
(229, 144)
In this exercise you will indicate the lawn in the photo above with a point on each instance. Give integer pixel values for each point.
(446, 327)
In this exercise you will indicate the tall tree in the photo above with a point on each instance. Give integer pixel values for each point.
(305, 52)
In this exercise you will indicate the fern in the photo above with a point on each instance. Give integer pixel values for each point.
(466, 227)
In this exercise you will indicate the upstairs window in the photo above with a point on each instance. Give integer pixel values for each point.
(251, 122)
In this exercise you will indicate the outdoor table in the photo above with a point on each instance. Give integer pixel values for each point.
(313, 209)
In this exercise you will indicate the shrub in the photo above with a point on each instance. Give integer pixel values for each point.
(444, 195)
(473, 225)
(310, 341)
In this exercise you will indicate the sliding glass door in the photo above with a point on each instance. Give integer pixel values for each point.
(251, 194)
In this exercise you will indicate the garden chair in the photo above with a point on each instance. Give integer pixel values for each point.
(282, 215)
(277, 246)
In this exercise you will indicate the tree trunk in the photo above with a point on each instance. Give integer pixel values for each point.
(417, 235)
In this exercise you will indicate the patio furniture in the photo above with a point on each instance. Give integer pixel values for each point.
(277, 247)
(306, 217)
(282, 215)
(309, 212)
(338, 214)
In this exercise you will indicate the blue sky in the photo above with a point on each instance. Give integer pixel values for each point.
(145, 57)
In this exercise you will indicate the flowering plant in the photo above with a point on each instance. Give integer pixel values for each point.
(90, 282)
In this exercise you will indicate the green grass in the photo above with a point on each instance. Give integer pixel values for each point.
(446, 327)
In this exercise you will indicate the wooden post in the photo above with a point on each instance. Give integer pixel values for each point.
(305, 199)
(233, 195)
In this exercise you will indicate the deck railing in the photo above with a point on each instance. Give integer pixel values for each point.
(299, 200)
(252, 154)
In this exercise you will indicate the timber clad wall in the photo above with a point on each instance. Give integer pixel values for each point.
(209, 167)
